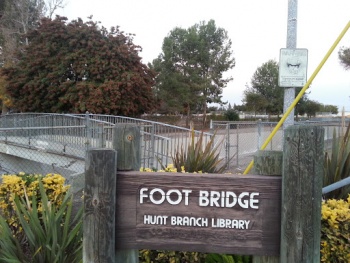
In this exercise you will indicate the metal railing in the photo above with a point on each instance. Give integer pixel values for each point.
(243, 139)
(71, 135)
(336, 185)
(39, 142)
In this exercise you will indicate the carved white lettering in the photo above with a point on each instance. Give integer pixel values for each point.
(154, 220)
(229, 223)
(188, 221)
(228, 199)
(158, 196)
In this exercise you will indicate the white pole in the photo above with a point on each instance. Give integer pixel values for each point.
(289, 93)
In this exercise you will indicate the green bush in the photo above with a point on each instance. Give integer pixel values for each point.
(48, 231)
(232, 115)
(337, 164)
(199, 157)
(163, 256)
(335, 231)
(27, 186)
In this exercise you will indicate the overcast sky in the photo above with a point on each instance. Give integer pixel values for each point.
(257, 28)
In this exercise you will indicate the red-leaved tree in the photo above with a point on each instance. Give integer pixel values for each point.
(77, 67)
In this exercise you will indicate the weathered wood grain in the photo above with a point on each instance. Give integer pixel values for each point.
(302, 194)
(127, 143)
(268, 163)
(259, 239)
(99, 207)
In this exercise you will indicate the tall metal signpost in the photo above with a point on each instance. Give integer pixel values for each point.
(289, 92)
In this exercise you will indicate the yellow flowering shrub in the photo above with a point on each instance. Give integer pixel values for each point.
(26, 186)
(169, 169)
(335, 231)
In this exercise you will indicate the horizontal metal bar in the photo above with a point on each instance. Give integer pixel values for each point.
(336, 185)
(35, 148)
(40, 128)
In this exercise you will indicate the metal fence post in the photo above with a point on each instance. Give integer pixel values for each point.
(152, 146)
(237, 144)
(259, 133)
(101, 135)
(228, 146)
(88, 131)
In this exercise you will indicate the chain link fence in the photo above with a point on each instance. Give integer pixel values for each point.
(58, 143)
(243, 139)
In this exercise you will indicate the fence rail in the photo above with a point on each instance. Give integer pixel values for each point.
(243, 139)
(46, 142)
(74, 134)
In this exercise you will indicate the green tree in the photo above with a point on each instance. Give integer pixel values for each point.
(344, 57)
(231, 115)
(191, 67)
(79, 67)
(172, 89)
(254, 101)
(312, 107)
(329, 108)
(265, 84)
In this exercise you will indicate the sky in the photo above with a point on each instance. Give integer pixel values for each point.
(257, 29)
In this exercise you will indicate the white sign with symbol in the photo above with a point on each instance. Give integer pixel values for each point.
(292, 67)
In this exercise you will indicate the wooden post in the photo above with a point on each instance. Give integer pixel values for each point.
(302, 194)
(99, 207)
(127, 144)
(267, 163)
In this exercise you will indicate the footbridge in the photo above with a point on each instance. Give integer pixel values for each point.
(58, 143)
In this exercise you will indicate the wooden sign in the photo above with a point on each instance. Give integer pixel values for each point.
(199, 212)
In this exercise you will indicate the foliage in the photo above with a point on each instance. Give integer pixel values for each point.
(337, 164)
(17, 18)
(50, 233)
(264, 94)
(329, 108)
(4, 97)
(232, 115)
(175, 93)
(335, 234)
(191, 67)
(344, 57)
(27, 186)
(255, 102)
(221, 258)
(264, 83)
(200, 156)
(310, 108)
(78, 67)
(163, 256)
